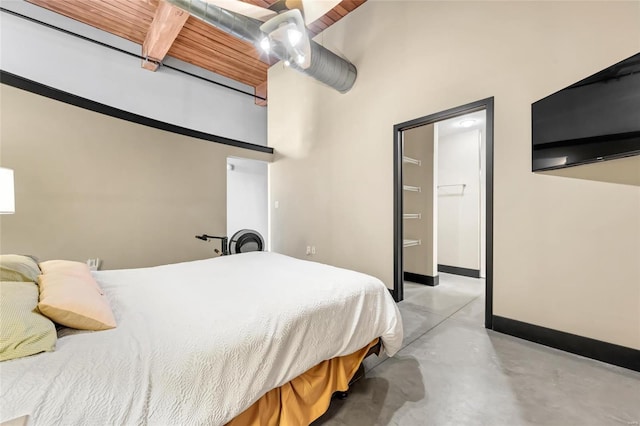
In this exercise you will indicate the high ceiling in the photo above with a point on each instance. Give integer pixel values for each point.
(197, 42)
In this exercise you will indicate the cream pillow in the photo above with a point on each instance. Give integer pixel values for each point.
(70, 296)
(67, 267)
(23, 331)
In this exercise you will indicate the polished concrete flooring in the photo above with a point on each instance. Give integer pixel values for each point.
(452, 371)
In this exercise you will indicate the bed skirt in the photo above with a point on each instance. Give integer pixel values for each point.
(305, 398)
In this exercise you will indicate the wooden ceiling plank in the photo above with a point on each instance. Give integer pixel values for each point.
(216, 35)
(144, 8)
(165, 27)
(107, 11)
(320, 24)
(205, 42)
(244, 67)
(333, 15)
(326, 20)
(348, 5)
(210, 51)
(351, 5)
(74, 12)
(340, 10)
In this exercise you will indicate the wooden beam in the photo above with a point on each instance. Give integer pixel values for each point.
(261, 90)
(165, 27)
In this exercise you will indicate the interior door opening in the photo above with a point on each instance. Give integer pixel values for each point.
(443, 195)
(247, 203)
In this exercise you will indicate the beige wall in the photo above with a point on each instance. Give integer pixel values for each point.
(419, 143)
(566, 250)
(89, 185)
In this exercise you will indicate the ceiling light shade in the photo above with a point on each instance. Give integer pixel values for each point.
(294, 36)
(467, 122)
(265, 44)
(7, 196)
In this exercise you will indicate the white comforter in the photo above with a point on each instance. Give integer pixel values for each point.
(199, 342)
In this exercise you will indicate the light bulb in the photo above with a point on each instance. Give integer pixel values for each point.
(294, 36)
(265, 44)
(300, 59)
(287, 63)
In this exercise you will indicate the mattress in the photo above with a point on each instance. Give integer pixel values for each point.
(199, 342)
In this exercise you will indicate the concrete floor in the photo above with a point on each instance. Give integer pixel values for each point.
(452, 371)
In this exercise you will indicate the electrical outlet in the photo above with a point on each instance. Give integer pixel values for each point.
(94, 264)
(313, 249)
(308, 250)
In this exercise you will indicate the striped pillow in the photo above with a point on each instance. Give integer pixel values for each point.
(15, 267)
(23, 330)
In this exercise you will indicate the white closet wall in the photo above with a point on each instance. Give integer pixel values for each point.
(459, 221)
(247, 198)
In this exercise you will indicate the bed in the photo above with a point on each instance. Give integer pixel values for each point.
(200, 342)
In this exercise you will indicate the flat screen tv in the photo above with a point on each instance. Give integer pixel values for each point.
(595, 119)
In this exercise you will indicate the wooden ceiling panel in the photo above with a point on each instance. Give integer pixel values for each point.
(198, 43)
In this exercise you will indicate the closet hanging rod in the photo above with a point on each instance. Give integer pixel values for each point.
(409, 243)
(412, 216)
(410, 160)
(411, 188)
(463, 185)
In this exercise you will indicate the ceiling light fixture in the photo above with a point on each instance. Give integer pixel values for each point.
(288, 39)
(467, 122)
(265, 44)
(294, 36)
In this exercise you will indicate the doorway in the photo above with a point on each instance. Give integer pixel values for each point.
(408, 207)
(247, 202)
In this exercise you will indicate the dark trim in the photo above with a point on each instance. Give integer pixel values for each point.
(584, 346)
(488, 271)
(398, 227)
(484, 104)
(465, 272)
(125, 52)
(68, 98)
(422, 279)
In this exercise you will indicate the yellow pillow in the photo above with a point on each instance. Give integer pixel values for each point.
(15, 267)
(23, 331)
(70, 296)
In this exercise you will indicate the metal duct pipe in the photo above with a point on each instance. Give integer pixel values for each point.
(329, 68)
(326, 66)
(240, 26)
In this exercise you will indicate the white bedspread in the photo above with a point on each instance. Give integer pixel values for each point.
(199, 342)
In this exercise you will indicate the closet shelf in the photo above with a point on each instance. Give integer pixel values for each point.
(412, 216)
(409, 243)
(412, 188)
(410, 160)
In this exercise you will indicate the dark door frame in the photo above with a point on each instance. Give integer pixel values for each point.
(398, 278)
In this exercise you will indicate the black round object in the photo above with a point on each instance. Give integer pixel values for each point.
(246, 240)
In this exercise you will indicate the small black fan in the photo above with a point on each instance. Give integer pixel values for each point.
(246, 240)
